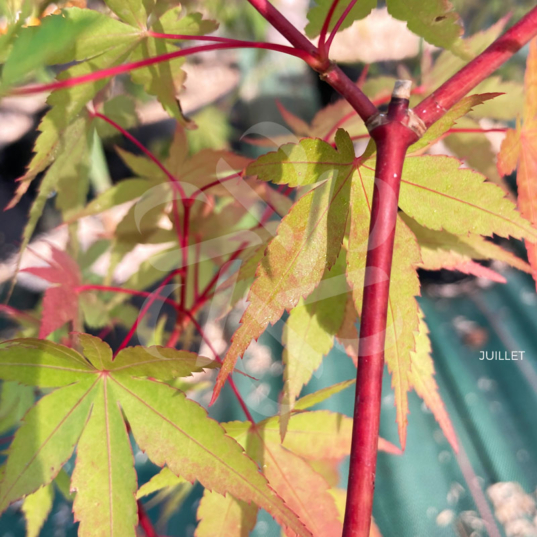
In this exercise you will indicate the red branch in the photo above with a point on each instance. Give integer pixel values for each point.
(127, 67)
(324, 30)
(393, 140)
(432, 108)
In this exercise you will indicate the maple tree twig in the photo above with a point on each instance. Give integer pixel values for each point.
(393, 137)
(433, 107)
(328, 71)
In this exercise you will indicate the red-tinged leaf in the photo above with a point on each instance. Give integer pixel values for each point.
(300, 487)
(221, 516)
(402, 320)
(104, 474)
(315, 435)
(475, 269)
(422, 380)
(440, 249)
(308, 242)
(45, 440)
(309, 334)
(60, 303)
(521, 146)
(177, 432)
(299, 126)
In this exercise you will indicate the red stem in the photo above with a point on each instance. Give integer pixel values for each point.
(218, 358)
(432, 108)
(175, 183)
(144, 310)
(338, 25)
(133, 292)
(329, 72)
(323, 51)
(392, 139)
(127, 67)
(145, 522)
(184, 249)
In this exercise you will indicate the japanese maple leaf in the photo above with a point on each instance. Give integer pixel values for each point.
(519, 148)
(94, 397)
(60, 302)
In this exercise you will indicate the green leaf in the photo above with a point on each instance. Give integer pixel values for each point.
(37, 362)
(164, 479)
(309, 334)
(142, 166)
(447, 121)
(318, 13)
(308, 162)
(133, 12)
(160, 362)
(167, 426)
(437, 193)
(173, 430)
(321, 395)
(36, 508)
(123, 192)
(98, 33)
(35, 46)
(308, 242)
(433, 20)
(45, 440)
(120, 109)
(15, 400)
(221, 516)
(104, 475)
(165, 80)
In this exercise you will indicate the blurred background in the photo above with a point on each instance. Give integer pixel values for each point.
(428, 491)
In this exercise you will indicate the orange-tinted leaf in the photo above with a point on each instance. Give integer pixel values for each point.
(422, 380)
(308, 242)
(520, 146)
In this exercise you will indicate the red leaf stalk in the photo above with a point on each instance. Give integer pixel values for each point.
(393, 138)
(145, 521)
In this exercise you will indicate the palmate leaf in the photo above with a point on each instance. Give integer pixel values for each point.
(520, 148)
(87, 410)
(308, 242)
(309, 334)
(435, 192)
(104, 42)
